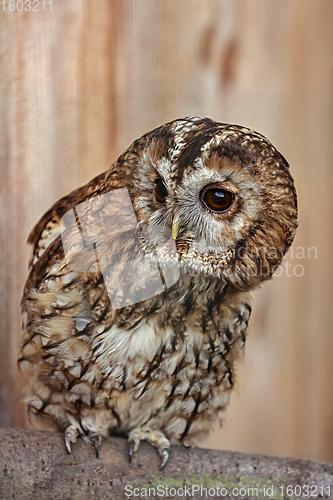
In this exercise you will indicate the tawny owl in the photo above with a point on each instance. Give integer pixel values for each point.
(137, 302)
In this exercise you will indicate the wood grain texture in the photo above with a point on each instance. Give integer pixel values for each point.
(78, 84)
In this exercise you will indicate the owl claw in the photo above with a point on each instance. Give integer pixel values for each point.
(130, 453)
(165, 456)
(134, 446)
(71, 434)
(97, 442)
(152, 436)
(68, 443)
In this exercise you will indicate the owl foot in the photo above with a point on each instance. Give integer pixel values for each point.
(71, 434)
(153, 437)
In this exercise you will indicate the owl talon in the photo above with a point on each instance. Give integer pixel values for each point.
(97, 442)
(134, 446)
(71, 434)
(130, 453)
(152, 436)
(165, 456)
(68, 444)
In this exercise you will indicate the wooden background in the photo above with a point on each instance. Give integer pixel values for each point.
(78, 84)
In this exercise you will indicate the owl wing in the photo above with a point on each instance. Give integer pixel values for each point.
(53, 292)
(63, 310)
(47, 230)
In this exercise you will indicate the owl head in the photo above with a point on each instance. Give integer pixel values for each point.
(223, 191)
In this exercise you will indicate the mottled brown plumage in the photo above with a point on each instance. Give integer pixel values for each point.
(159, 369)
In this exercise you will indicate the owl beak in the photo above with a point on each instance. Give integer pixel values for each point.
(177, 226)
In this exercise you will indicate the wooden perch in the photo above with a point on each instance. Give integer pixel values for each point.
(35, 465)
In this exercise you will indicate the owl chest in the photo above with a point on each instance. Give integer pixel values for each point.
(175, 363)
(167, 377)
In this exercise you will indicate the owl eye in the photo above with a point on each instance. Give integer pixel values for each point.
(217, 199)
(160, 191)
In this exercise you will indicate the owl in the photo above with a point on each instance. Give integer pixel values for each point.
(137, 302)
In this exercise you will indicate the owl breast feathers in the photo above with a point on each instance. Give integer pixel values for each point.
(137, 302)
